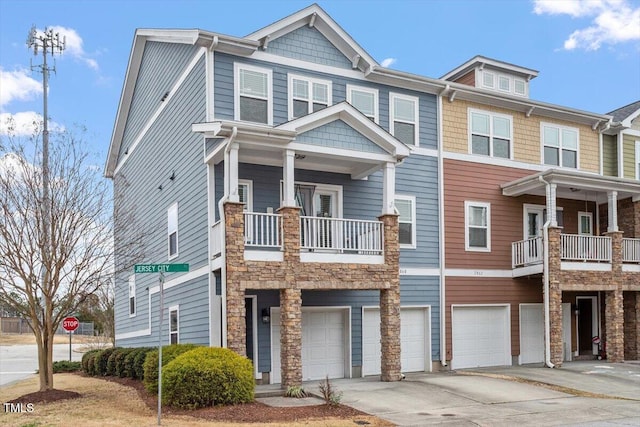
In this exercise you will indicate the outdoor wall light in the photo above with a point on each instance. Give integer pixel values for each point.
(265, 316)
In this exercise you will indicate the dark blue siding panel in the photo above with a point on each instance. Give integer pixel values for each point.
(308, 44)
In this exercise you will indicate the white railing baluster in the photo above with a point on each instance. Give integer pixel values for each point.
(630, 250)
(526, 252)
(574, 247)
(262, 230)
(341, 235)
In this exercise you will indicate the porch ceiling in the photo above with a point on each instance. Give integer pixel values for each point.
(573, 185)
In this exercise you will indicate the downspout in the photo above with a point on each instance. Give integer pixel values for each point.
(223, 269)
(441, 232)
(545, 286)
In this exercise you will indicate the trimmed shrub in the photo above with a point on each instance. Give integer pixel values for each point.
(138, 363)
(85, 360)
(121, 355)
(111, 362)
(208, 376)
(66, 366)
(101, 361)
(169, 352)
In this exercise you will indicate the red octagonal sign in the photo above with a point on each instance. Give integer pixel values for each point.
(70, 324)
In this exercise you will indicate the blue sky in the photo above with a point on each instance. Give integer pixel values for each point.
(587, 53)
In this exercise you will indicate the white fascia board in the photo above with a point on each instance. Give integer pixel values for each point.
(209, 129)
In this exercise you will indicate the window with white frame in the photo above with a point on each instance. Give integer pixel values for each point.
(245, 194)
(520, 87)
(406, 207)
(585, 223)
(488, 79)
(365, 100)
(172, 230)
(307, 95)
(559, 145)
(174, 325)
(404, 118)
(504, 83)
(477, 219)
(132, 295)
(490, 134)
(253, 96)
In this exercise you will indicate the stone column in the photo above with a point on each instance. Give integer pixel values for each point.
(234, 259)
(390, 303)
(291, 337)
(614, 325)
(631, 328)
(555, 296)
(291, 235)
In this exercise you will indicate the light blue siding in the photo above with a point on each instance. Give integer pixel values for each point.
(162, 64)
(338, 134)
(308, 44)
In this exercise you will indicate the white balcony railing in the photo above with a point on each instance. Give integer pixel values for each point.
(341, 235)
(262, 230)
(216, 239)
(631, 250)
(526, 252)
(575, 247)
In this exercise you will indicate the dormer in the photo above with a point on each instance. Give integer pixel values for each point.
(493, 75)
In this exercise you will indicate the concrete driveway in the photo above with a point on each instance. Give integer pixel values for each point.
(488, 397)
(18, 362)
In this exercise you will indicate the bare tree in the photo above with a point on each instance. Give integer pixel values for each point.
(43, 281)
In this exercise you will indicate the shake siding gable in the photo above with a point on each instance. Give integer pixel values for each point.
(308, 44)
(169, 146)
(338, 134)
(162, 64)
(526, 134)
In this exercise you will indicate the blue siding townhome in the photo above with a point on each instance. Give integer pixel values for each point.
(299, 180)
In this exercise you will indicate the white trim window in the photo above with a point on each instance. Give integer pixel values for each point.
(488, 79)
(253, 94)
(365, 100)
(174, 325)
(245, 194)
(307, 95)
(477, 225)
(132, 295)
(637, 160)
(490, 134)
(520, 87)
(403, 113)
(585, 223)
(172, 231)
(560, 145)
(506, 83)
(406, 207)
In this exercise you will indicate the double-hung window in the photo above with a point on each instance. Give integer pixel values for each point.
(132, 296)
(404, 118)
(307, 95)
(477, 219)
(559, 145)
(491, 134)
(365, 100)
(174, 325)
(406, 207)
(172, 230)
(253, 96)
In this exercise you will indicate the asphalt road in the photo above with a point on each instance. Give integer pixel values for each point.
(18, 362)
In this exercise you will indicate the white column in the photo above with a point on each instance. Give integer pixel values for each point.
(552, 205)
(612, 199)
(389, 188)
(233, 173)
(288, 167)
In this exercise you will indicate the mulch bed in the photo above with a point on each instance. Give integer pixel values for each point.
(46, 396)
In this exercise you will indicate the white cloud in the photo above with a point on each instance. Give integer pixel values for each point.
(74, 45)
(387, 62)
(613, 21)
(26, 123)
(17, 85)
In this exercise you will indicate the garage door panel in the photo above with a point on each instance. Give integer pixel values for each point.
(480, 337)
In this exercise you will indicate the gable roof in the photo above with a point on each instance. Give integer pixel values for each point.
(626, 114)
(481, 61)
(314, 16)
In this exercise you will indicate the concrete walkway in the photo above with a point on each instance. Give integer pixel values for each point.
(500, 396)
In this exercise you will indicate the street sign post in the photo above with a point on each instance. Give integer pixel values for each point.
(160, 268)
(70, 324)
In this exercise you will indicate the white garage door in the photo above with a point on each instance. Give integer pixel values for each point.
(531, 333)
(415, 339)
(480, 336)
(324, 347)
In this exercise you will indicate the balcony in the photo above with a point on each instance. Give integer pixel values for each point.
(321, 239)
(631, 251)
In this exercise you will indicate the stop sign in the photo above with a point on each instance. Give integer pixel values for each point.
(70, 324)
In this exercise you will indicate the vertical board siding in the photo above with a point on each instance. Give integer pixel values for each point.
(156, 77)
(224, 95)
(168, 147)
(308, 44)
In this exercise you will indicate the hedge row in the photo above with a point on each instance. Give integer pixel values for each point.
(118, 361)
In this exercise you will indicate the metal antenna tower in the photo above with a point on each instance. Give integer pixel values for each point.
(47, 43)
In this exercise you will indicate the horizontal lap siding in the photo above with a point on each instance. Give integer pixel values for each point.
(610, 155)
(473, 290)
(629, 153)
(169, 146)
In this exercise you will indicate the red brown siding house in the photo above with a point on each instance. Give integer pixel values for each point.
(542, 251)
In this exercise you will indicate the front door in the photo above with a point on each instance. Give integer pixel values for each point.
(587, 325)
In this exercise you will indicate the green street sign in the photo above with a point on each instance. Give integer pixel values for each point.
(160, 268)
